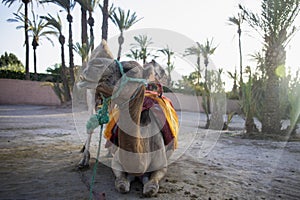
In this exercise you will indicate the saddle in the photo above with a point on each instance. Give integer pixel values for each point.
(163, 111)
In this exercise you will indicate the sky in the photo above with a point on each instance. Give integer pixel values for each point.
(197, 20)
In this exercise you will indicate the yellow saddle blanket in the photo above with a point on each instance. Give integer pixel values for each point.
(166, 112)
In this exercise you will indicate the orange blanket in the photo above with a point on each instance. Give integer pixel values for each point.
(169, 130)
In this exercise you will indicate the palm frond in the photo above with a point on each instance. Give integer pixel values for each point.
(54, 23)
(8, 2)
(124, 21)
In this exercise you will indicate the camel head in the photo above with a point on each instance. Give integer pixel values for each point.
(103, 73)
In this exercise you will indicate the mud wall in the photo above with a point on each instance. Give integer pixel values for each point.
(32, 92)
(14, 91)
(194, 104)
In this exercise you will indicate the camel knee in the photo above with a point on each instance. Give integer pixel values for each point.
(122, 184)
(151, 188)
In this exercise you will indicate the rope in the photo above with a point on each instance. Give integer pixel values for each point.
(96, 164)
(101, 118)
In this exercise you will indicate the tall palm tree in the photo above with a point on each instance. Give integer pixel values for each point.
(195, 50)
(38, 31)
(56, 25)
(237, 21)
(170, 66)
(67, 5)
(206, 50)
(275, 24)
(25, 22)
(123, 21)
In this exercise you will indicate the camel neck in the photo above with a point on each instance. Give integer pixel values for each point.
(129, 123)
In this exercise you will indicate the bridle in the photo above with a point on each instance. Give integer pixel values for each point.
(124, 80)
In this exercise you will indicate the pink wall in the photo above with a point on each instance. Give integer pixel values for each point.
(14, 91)
(32, 92)
(194, 104)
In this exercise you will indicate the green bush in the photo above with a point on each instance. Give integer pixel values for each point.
(21, 76)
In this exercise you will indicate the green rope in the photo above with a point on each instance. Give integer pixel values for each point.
(96, 164)
(102, 117)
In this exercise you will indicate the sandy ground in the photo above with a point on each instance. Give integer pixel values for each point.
(40, 151)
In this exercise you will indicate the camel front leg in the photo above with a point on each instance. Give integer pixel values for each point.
(151, 187)
(85, 161)
(123, 180)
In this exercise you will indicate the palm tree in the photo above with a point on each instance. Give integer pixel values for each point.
(25, 22)
(56, 25)
(248, 103)
(195, 50)
(275, 25)
(38, 31)
(170, 66)
(123, 22)
(141, 45)
(67, 5)
(206, 51)
(237, 21)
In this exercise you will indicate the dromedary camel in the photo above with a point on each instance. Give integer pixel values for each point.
(140, 148)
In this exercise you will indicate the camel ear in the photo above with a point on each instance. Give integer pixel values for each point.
(154, 72)
(102, 51)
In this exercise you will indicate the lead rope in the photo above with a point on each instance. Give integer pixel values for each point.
(100, 118)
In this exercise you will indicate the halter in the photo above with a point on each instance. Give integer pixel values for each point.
(124, 80)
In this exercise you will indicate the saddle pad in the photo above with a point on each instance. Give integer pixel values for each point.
(165, 112)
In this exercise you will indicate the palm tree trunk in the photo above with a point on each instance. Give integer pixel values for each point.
(271, 114)
(35, 44)
(121, 41)
(27, 74)
(63, 71)
(71, 55)
(241, 62)
(198, 65)
(84, 35)
(105, 20)
(249, 124)
(206, 87)
(91, 24)
(34, 61)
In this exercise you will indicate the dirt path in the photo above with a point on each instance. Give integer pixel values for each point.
(40, 150)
